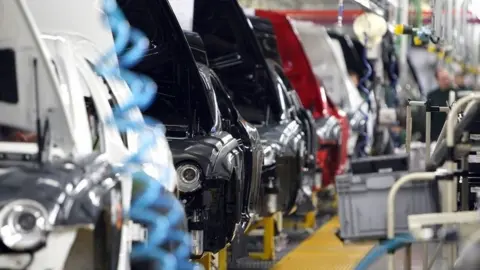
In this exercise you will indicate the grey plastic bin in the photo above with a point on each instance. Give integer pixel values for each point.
(362, 204)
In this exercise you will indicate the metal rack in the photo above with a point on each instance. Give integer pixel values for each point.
(372, 6)
(378, 7)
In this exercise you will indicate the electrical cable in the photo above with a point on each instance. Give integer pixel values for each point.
(163, 229)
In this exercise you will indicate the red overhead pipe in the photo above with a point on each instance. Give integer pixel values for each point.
(326, 13)
(330, 16)
(321, 16)
(346, 13)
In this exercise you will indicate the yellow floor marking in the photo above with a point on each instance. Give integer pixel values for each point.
(324, 251)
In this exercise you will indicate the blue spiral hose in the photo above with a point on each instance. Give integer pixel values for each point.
(162, 228)
(364, 89)
(364, 79)
(393, 83)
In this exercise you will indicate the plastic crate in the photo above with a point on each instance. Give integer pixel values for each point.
(362, 204)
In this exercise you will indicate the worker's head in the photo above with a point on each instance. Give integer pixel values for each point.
(443, 79)
(459, 80)
(459, 75)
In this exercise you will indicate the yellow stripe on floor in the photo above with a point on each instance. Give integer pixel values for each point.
(324, 251)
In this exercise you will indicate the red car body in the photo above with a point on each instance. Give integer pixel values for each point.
(331, 157)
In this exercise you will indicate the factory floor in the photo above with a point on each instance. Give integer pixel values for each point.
(323, 250)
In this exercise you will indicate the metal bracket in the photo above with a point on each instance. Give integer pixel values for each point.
(217, 261)
(135, 233)
(309, 221)
(268, 224)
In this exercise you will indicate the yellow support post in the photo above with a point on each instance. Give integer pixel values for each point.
(222, 259)
(268, 253)
(253, 226)
(278, 221)
(217, 261)
(309, 222)
(311, 217)
(207, 261)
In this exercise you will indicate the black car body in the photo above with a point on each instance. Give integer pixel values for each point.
(245, 133)
(209, 160)
(268, 43)
(234, 54)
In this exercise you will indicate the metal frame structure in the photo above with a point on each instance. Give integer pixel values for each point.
(416, 222)
(217, 261)
(309, 221)
(442, 26)
(265, 227)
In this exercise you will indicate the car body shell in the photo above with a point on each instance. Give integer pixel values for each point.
(267, 40)
(234, 123)
(68, 75)
(192, 125)
(332, 155)
(236, 57)
(64, 64)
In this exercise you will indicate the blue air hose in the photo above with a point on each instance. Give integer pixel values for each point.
(393, 82)
(364, 79)
(162, 229)
(361, 86)
(382, 249)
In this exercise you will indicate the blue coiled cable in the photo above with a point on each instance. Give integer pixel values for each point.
(162, 228)
(393, 82)
(364, 79)
(364, 89)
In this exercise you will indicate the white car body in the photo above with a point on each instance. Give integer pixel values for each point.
(327, 61)
(76, 33)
